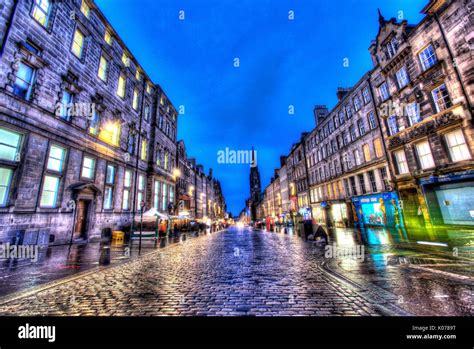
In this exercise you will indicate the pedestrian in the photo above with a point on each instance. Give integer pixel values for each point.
(175, 229)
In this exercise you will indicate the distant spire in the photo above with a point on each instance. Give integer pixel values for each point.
(381, 18)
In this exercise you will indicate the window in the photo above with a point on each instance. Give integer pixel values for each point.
(401, 161)
(127, 183)
(171, 194)
(441, 98)
(353, 185)
(383, 91)
(147, 113)
(56, 158)
(373, 183)
(49, 194)
(348, 111)
(366, 95)
(85, 9)
(6, 175)
(156, 195)
(160, 122)
(94, 123)
(424, 155)
(78, 43)
(132, 140)
(427, 57)
(457, 146)
(121, 86)
(391, 48)
(165, 165)
(357, 157)
(148, 90)
(108, 37)
(66, 105)
(366, 150)
(110, 133)
(41, 11)
(402, 77)
(378, 147)
(102, 72)
(346, 187)
(352, 133)
(341, 117)
(138, 75)
(10, 143)
(140, 191)
(413, 113)
(357, 104)
(164, 204)
(109, 187)
(88, 167)
(383, 175)
(362, 183)
(143, 150)
(361, 127)
(125, 59)
(135, 99)
(372, 120)
(392, 125)
(24, 79)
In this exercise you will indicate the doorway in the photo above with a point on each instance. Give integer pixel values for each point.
(80, 229)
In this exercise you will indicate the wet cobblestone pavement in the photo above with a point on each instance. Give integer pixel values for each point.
(249, 272)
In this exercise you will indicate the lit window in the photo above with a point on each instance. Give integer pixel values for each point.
(109, 187)
(49, 194)
(357, 157)
(78, 43)
(424, 155)
(88, 167)
(392, 125)
(94, 123)
(366, 151)
(401, 161)
(10, 143)
(56, 158)
(108, 37)
(127, 183)
(135, 99)
(6, 175)
(164, 188)
(66, 105)
(24, 81)
(458, 149)
(41, 11)
(147, 113)
(162, 100)
(413, 113)
(121, 86)
(378, 147)
(402, 77)
(383, 91)
(102, 72)
(166, 161)
(441, 98)
(148, 89)
(125, 59)
(427, 57)
(110, 133)
(138, 75)
(140, 194)
(156, 195)
(85, 9)
(144, 150)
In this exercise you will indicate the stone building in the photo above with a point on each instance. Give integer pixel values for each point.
(424, 78)
(347, 166)
(87, 139)
(284, 190)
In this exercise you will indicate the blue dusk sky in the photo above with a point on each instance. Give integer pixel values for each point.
(282, 62)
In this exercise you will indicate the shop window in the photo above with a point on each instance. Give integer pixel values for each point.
(456, 144)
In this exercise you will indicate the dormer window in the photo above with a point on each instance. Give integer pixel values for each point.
(391, 48)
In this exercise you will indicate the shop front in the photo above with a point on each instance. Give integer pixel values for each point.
(450, 199)
(339, 214)
(378, 210)
(319, 216)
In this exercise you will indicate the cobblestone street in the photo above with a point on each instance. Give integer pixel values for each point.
(236, 272)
